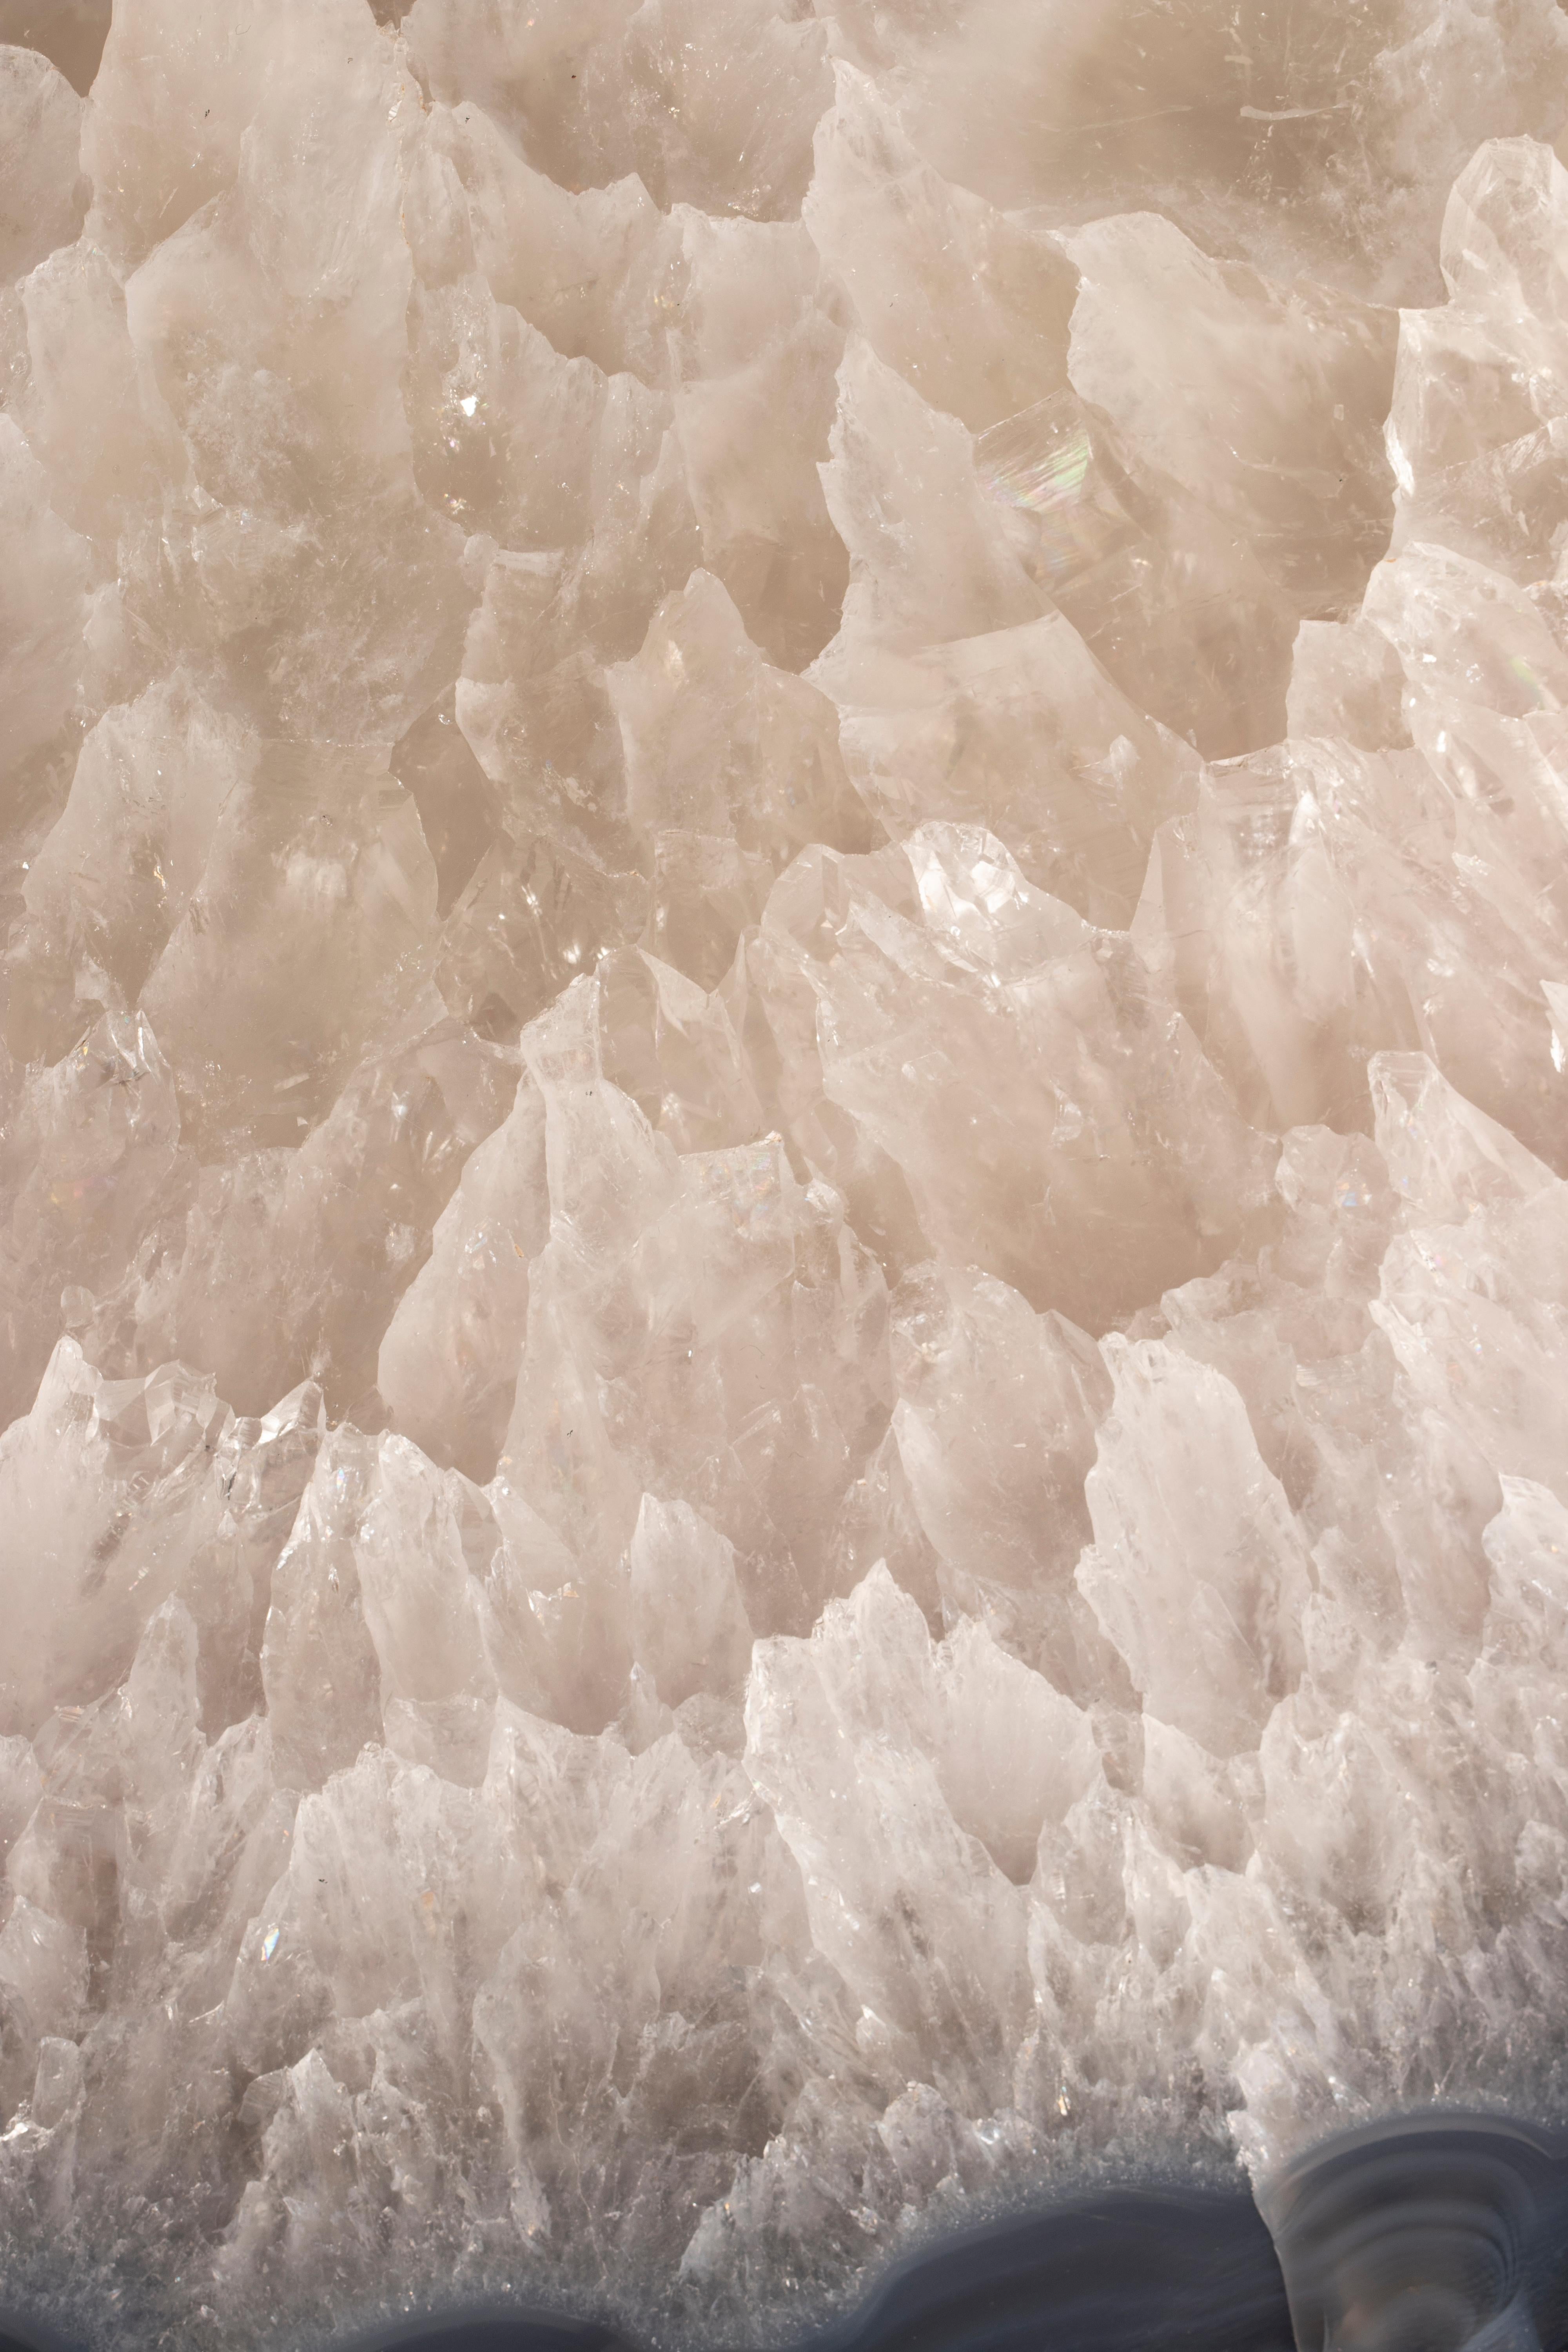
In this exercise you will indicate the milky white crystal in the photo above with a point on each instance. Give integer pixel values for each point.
(784, 1125)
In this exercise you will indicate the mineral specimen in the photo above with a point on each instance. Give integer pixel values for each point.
(783, 1126)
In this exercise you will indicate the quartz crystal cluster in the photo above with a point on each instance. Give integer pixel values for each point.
(784, 1240)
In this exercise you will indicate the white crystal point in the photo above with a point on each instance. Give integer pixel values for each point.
(1444, 1156)
(316, 1645)
(45, 587)
(447, 1363)
(43, 196)
(970, 305)
(833, 1724)
(689, 1623)
(1020, 731)
(917, 1044)
(1200, 1588)
(1480, 385)
(1346, 681)
(929, 558)
(1502, 226)
(720, 745)
(95, 1442)
(103, 1125)
(1313, 500)
(997, 1485)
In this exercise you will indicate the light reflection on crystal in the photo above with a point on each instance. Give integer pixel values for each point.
(1043, 462)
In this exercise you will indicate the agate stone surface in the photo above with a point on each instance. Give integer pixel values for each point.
(783, 1129)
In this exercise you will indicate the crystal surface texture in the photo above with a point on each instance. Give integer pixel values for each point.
(784, 1128)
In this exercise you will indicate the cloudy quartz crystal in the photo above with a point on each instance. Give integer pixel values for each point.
(783, 1126)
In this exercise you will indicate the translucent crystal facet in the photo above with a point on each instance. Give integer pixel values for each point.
(783, 1126)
